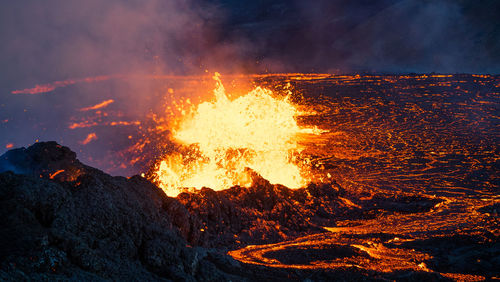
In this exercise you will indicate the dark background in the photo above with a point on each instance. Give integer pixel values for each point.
(43, 41)
(376, 36)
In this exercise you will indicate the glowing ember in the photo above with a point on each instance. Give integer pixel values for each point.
(101, 105)
(224, 138)
(52, 175)
(90, 137)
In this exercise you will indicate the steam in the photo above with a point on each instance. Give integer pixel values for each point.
(58, 40)
(77, 54)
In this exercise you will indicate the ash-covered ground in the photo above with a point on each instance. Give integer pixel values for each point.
(413, 195)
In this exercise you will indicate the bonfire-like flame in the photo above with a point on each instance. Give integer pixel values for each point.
(224, 138)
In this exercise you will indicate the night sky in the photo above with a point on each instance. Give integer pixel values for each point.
(375, 36)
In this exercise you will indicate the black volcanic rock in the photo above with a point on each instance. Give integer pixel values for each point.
(87, 225)
(269, 213)
(63, 220)
(43, 160)
(263, 213)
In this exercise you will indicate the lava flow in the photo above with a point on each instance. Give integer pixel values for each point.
(222, 140)
(411, 160)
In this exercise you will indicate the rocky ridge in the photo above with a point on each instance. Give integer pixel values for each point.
(83, 224)
(65, 220)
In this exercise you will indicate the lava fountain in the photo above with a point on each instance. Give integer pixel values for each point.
(223, 140)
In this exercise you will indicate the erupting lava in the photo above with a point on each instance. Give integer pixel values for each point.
(223, 140)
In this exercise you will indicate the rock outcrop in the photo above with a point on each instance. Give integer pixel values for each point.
(83, 224)
(63, 220)
(263, 213)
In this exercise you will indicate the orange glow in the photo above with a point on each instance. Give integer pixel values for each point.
(101, 105)
(85, 124)
(224, 138)
(44, 88)
(49, 87)
(115, 123)
(92, 136)
(52, 175)
(9, 145)
(38, 89)
(82, 125)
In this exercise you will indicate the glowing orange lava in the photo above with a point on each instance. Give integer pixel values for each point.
(101, 105)
(90, 137)
(225, 138)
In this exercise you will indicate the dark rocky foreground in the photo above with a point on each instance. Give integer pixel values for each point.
(83, 224)
(63, 220)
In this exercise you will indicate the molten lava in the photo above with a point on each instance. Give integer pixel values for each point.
(225, 139)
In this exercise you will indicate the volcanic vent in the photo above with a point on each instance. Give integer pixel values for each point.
(218, 143)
